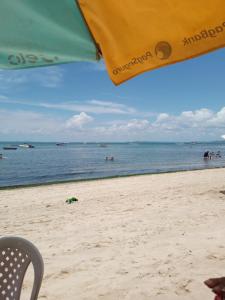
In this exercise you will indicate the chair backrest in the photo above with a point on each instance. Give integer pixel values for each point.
(15, 256)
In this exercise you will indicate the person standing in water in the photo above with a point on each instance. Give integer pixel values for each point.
(206, 154)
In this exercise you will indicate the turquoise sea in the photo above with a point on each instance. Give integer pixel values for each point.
(48, 163)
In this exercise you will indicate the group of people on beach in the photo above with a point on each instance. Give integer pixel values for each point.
(109, 158)
(211, 155)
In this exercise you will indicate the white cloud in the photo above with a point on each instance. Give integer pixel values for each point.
(202, 118)
(25, 122)
(10, 79)
(121, 130)
(162, 117)
(3, 97)
(29, 124)
(202, 124)
(218, 119)
(90, 106)
(97, 66)
(130, 126)
(78, 121)
(107, 104)
(199, 124)
(112, 107)
(50, 77)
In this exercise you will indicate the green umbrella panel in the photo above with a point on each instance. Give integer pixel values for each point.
(43, 32)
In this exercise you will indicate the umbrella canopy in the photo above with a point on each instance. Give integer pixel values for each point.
(39, 32)
(134, 35)
(140, 35)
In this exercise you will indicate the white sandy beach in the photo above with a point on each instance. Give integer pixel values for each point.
(144, 237)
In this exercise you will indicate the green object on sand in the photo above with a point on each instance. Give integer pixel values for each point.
(71, 200)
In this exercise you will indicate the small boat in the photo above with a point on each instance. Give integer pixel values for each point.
(26, 146)
(9, 148)
(103, 145)
(60, 144)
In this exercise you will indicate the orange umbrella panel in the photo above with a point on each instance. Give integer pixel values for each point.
(140, 35)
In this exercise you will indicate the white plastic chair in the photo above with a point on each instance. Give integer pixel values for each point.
(15, 256)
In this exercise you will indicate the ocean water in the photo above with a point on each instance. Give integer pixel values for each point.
(75, 161)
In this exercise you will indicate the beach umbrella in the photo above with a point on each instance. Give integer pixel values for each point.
(133, 36)
(43, 32)
(140, 35)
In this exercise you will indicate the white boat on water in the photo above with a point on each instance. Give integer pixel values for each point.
(26, 146)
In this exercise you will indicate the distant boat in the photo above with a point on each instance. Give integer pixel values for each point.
(60, 144)
(10, 148)
(103, 145)
(191, 143)
(26, 146)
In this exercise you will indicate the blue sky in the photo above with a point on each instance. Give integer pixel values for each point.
(78, 102)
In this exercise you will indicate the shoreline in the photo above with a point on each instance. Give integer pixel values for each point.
(24, 186)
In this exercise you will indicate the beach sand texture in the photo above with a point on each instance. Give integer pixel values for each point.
(143, 237)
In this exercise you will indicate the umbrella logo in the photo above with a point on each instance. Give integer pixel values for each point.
(163, 50)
